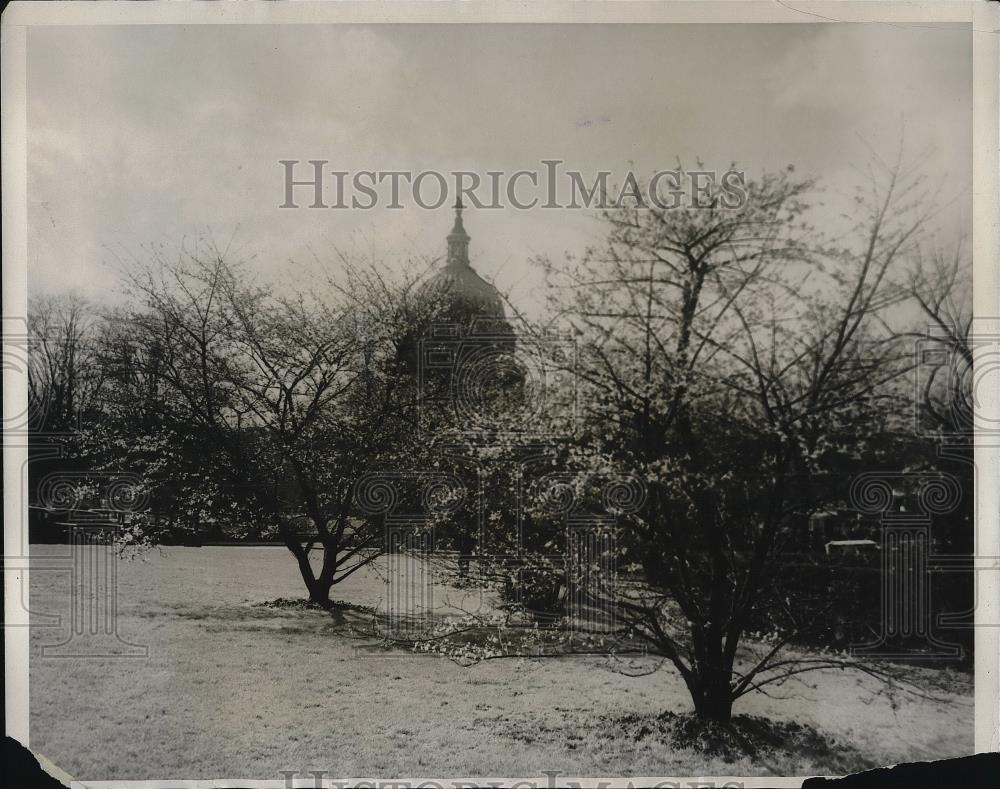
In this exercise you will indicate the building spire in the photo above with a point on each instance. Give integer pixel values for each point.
(458, 240)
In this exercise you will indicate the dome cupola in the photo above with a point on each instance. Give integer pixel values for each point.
(466, 293)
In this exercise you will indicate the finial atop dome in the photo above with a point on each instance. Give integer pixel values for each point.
(458, 240)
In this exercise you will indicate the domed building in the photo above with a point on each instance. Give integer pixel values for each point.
(467, 344)
(465, 297)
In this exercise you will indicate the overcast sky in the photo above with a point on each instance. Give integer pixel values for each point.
(154, 134)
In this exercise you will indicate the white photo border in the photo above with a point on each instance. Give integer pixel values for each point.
(984, 20)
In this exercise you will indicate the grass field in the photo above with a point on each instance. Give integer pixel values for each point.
(238, 689)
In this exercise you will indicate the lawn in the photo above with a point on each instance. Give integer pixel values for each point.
(235, 688)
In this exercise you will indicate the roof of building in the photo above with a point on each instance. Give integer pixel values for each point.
(458, 282)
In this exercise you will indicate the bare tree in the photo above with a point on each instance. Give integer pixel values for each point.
(277, 404)
(734, 364)
(64, 379)
(940, 285)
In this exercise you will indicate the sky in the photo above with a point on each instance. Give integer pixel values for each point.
(157, 134)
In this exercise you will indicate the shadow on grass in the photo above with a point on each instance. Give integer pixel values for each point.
(765, 742)
(282, 615)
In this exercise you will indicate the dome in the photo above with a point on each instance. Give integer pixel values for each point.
(466, 293)
(465, 346)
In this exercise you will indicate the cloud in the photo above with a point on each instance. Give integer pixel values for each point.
(148, 134)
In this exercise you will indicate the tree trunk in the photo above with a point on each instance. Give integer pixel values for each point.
(319, 592)
(318, 586)
(714, 699)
